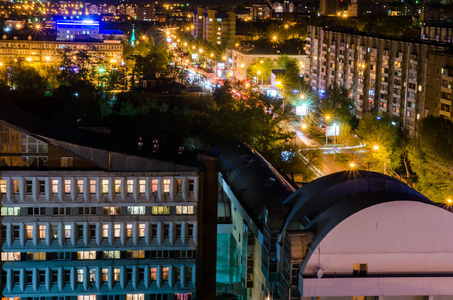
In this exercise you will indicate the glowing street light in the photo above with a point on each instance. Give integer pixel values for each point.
(274, 38)
(449, 201)
(302, 96)
(352, 165)
(376, 147)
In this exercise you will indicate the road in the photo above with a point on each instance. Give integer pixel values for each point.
(328, 166)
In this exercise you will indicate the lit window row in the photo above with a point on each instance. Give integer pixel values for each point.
(78, 185)
(106, 210)
(89, 275)
(96, 255)
(140, 230)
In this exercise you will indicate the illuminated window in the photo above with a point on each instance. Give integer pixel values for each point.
(117, 186)
(29, 230)
(112, 210)
(92, 275)
(184, 210)
(10, 256)
(165, 273)
(36, 255)
(2, 186)
(42, 231)
(166, 186)
(16, 186)
(10, 211)
(105, 275)
(80, 186)
(67, 162)
(67, 231)
(111, 254)
(135, 210)
(116, 274)
(105, 230)
(160, 210)
(136, 253)
(80, 275)
(135, 297)
(153, 273)
(141, 230)
(55, 186)
(105, 186)
(86, 254)
(179, 185)
(142, 186)
(129, 228)
(117, 230)
(86, 297)
(130, 186)
(67, 186)
(92, 186)
(154, 186)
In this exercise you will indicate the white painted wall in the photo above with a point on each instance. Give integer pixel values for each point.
(393, 237)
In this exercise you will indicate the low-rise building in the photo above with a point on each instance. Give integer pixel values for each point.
(49, 52)
(240, 59)
(72, 30)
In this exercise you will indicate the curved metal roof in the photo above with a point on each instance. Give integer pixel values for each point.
(254, 181)
(322, 204)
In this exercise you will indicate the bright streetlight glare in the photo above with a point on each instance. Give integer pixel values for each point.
(327, 117)
(352, 165)
(376, 147)
(302, 96)
(449, 200)
(304, 126)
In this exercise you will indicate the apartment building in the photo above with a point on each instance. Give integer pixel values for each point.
(439, 78)
(260, 11)
(82, 216)
(47, 52)
(213, 26)
(145, 13)
(328, 7)
(438, 34)
(386, 76)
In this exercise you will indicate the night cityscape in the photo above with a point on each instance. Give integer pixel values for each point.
(273, 150)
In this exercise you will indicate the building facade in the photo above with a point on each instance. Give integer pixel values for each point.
(145, 13)
(47, 52)
(80, 221)
(239, 60)
(213, 26)
(71, 30)
(385, 76)
(328, 7)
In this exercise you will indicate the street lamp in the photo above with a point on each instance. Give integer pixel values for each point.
(352, 165)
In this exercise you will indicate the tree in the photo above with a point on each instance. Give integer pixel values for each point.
(431, 158)
(261, 70)
(338, 104)
(382, 142)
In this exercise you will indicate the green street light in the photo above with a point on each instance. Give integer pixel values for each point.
(101, 70)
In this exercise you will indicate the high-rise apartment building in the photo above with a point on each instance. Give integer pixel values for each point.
(84, 218)
(385, 76)
(328, 7)
(145, 13)
(215, 27)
